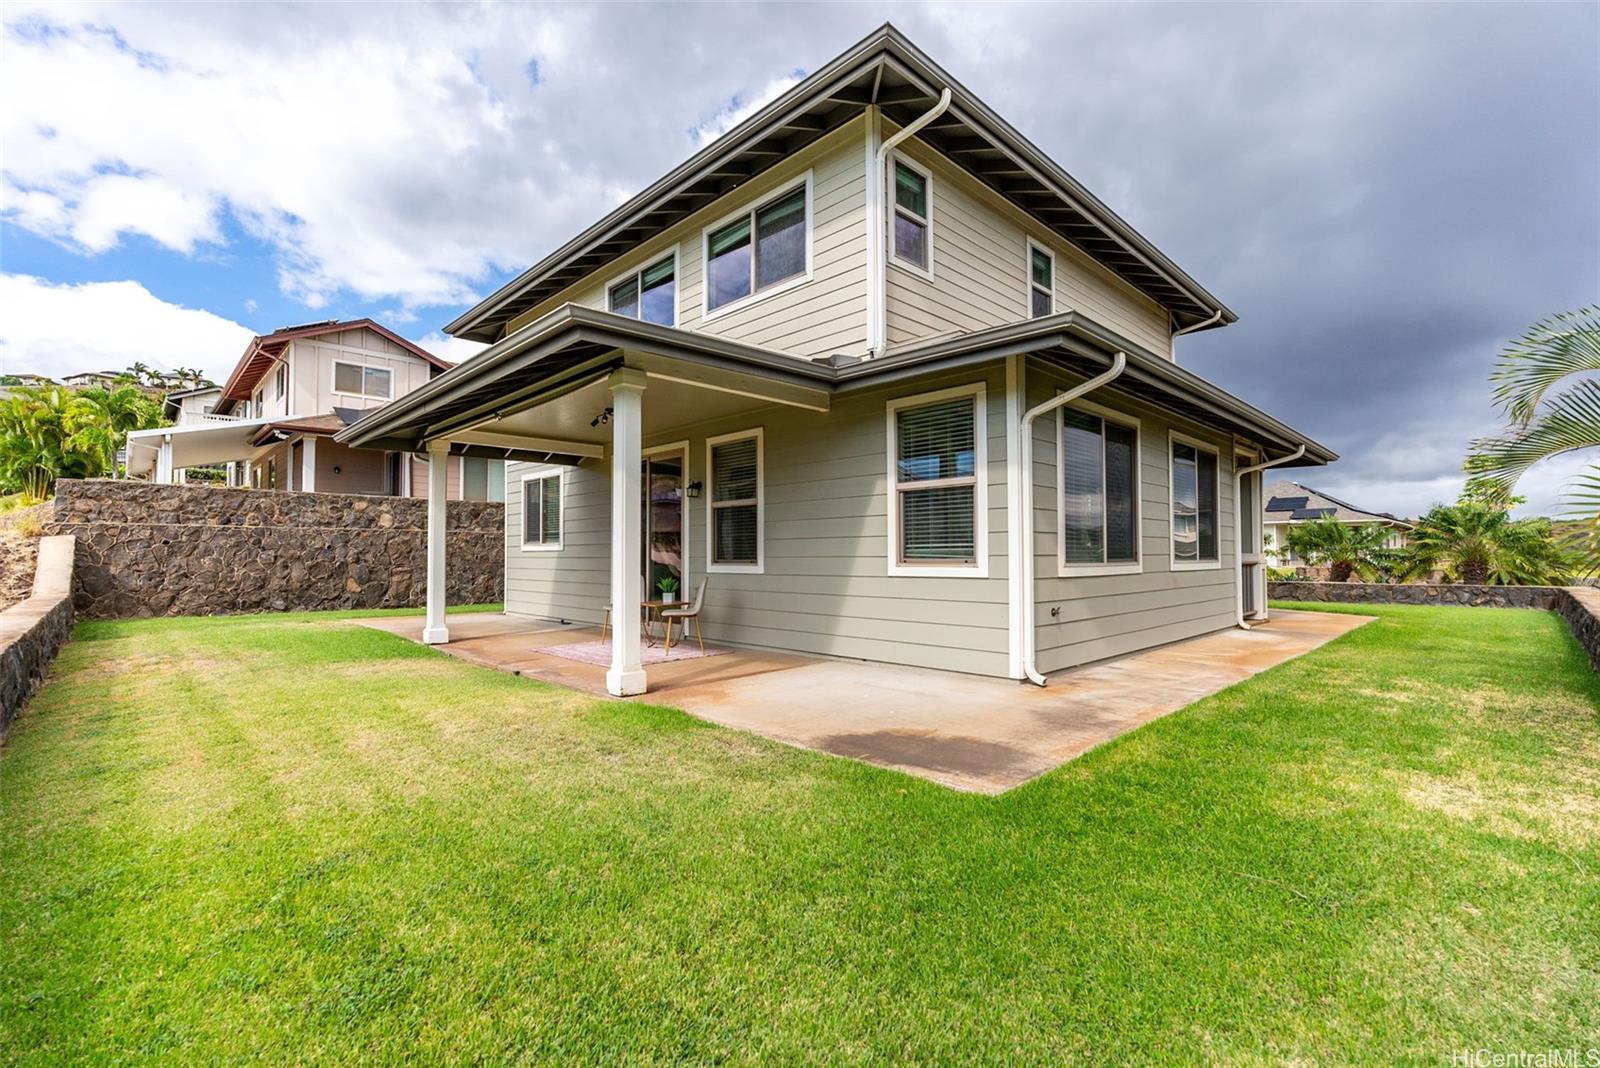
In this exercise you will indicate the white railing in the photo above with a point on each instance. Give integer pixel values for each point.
(192, 418)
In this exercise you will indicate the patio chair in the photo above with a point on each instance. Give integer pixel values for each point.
(684, 615)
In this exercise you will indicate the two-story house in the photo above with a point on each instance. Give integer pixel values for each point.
(273, 420)
(886, 377)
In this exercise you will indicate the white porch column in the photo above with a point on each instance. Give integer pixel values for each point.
(164, 460)
(626, 676)
(308, 464)
(434, 633)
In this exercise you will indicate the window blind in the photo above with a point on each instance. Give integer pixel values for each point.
(935, 467)
(735, 502)
(1100, 510)
(541, 511)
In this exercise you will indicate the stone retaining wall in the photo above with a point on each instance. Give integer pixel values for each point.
(1578, 605)
(33, 630)
(154, 550)
(1415, 593)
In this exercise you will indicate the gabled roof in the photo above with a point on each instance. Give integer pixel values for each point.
(264, 349)
(1292, 501)
(887, 70)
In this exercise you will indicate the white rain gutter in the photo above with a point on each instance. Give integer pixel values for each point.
(1029, 634)
(1238, 529)
(878, 222)
(1213, 321)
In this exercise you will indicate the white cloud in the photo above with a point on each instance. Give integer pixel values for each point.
(740, 109)
(57, 330)
(454, 349)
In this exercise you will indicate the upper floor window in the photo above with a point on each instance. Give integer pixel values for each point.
(1099, 492)
(541, 510)
(1041, 281)
(735, 501)
(650, 294)
(936, 468)
(1194, 505)
(763, 247)
(913, 215)
(280, 382)
(260, 402)
(362, 381)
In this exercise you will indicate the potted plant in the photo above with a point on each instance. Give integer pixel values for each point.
(669, 589)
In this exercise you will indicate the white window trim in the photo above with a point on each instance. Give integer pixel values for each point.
(534, 475)
(759, 567)
(280, 382)
(1174, 437)
(648, 262)
(260, 402)
(979, 568)
(333, 380)
(1027, 278)
(894, 208)
(1118, 567)
(707, 313)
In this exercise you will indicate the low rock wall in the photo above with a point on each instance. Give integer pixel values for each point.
(34, 629)
(146, 549)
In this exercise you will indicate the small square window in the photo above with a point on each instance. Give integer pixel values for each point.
(541, 511)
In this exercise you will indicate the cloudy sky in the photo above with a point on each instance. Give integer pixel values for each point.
(1385, 194)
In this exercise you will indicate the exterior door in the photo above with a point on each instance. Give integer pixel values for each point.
(663, 515)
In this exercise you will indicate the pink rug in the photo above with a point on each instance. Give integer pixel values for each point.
(599, 653)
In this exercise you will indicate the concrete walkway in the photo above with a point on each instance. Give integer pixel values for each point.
(965, 731)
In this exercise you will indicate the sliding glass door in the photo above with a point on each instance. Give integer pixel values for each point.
(663, 517)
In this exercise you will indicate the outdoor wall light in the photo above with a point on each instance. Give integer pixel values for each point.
(336, 469)
(692, 489)
(602, 419)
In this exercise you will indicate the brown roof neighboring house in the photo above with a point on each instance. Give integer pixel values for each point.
(265, 348)
(1293, 502)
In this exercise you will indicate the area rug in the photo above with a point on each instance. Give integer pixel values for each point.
(599, 653)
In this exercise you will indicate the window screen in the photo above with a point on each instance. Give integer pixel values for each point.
(1041, 282)
(759, 250)
(346, 378)
(736, 502)
(910, 216)
(1194, 503)
(541, 510)
(650, 294)
(1099, 509)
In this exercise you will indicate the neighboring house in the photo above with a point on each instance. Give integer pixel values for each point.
(810, 364)
(94, 379)
(188, 407)
(272, 421)
(1290, 504)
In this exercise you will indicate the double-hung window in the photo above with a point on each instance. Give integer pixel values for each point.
(1099, 485)
(360, 381)
(1041, 281)
(936, 473)
(650, 294)
(280, 382)
(913, 216)
(541, 510)
(761, 249)
(1195, 534)
(734, 502)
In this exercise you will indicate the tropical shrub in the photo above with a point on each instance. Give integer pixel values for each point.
(51, 432)
(1478, 543)
(1345, 549)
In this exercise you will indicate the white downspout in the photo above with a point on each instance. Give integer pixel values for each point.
(877, 220)
(1029, 635)
(1238, 528)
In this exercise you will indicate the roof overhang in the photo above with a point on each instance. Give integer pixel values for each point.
(572, 348)
(194, 446)
(887, 71)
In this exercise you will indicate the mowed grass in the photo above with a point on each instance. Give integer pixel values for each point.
(293, 838)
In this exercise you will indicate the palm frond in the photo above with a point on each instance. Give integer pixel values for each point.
(1569, 421)
(1562, 345)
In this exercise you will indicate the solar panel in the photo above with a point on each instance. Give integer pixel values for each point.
(1287, 504)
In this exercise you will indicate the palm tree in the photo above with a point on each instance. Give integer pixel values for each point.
(1477, 543)
(1345, 549)
(1545, 418)
(104, 418)
(39, 441)
(141, 372)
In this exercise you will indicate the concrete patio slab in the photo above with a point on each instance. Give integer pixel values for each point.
(964, 731)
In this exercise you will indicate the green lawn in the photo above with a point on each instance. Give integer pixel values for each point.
(294, 838)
